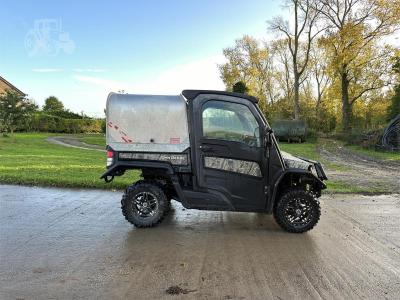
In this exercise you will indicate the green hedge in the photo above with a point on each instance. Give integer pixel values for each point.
(48, 123)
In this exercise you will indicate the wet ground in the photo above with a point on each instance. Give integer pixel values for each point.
(75, 244)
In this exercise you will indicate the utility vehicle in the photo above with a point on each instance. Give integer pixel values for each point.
(209, 150)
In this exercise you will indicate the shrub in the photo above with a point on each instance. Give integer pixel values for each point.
(49, 123)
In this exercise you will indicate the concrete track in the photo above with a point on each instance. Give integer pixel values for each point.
(73, 142)
(75, 244)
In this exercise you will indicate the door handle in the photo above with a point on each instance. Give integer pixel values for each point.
(206, 148)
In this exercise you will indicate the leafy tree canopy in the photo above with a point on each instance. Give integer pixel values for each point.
(394, 108)
(53, 104)
(240, 87)
(15, 110)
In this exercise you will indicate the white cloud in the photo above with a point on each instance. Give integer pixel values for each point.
(199, 74)
(47, 70)
(112, 85)
(89, 70)
(76, 70)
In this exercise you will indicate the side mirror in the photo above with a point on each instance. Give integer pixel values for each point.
(267, 137)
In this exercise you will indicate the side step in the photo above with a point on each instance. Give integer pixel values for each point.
(210, 201)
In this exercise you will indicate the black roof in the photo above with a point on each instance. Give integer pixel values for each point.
(191, 94)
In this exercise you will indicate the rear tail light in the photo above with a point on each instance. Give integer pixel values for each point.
(110, 158)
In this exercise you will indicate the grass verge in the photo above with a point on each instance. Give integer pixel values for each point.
(29, 159)
(346, 188)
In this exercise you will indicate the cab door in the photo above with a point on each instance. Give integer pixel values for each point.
(229, 153)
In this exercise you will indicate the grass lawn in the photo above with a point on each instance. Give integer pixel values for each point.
(309, 150)
(94, 139)
(27, 158)
(30, 159)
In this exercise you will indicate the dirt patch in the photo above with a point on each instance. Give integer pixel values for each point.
(177, 290)
(360, 170)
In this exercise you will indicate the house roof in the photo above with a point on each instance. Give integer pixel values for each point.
(10, 86)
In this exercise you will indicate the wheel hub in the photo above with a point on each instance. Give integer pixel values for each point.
(299, 212)
(145, 204)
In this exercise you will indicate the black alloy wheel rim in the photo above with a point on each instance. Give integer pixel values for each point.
(299, 212)
(145, 205)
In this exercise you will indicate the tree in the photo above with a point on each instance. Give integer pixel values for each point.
(283, 75)
(14, 110)
(53, 104)
(394, 108)
(66, 114)
(318, 72)
(240, 87)
(298, 39)
(355, 26)
(251, 63)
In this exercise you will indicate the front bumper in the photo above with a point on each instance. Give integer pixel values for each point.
(318, 168)
(297, 162)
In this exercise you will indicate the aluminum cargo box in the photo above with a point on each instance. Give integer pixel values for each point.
(147, 123)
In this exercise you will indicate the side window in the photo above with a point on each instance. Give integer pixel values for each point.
(230, 122)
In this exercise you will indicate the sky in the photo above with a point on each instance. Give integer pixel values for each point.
(79, 51)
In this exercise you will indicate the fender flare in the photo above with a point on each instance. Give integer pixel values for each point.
(119, 167)
(318, 183)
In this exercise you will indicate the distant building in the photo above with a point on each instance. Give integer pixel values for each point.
(5, 85)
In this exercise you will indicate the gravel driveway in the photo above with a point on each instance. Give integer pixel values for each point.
(360, 170)
(75, 244)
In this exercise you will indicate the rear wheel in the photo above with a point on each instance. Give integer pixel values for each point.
(144, 204)
(297, 211)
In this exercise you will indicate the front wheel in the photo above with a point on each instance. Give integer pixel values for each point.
(144, 204)
(297, 211)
